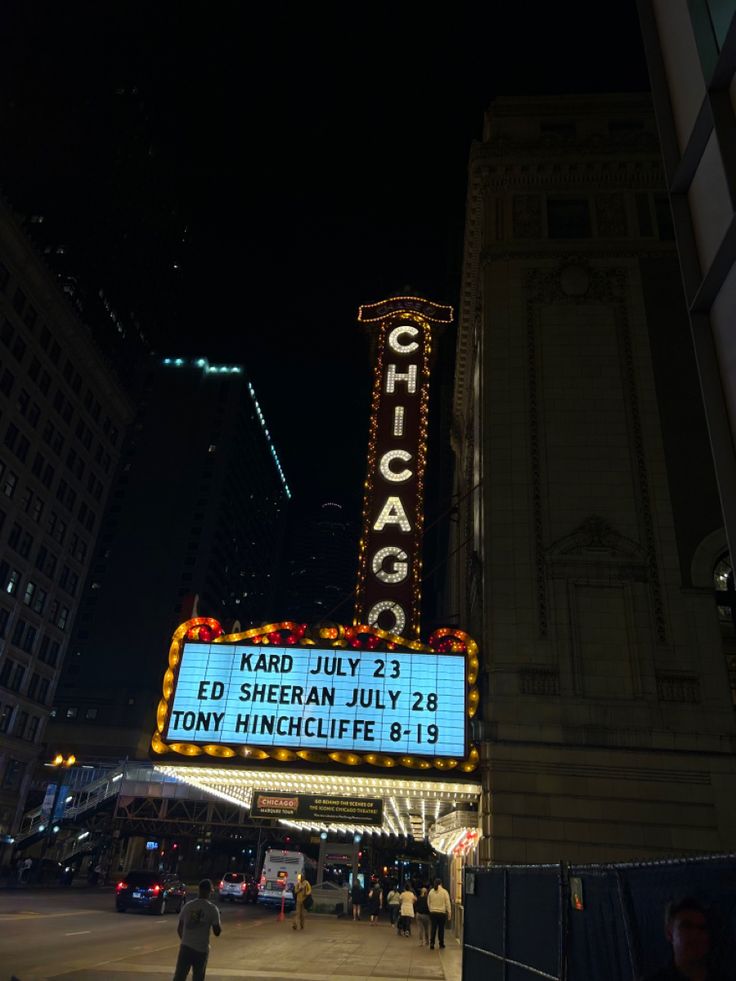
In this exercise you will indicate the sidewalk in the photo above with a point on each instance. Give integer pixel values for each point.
(329, 949)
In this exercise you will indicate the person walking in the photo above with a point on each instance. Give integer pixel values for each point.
(356, 897)
(423, 921)
(440, 912)
(375, 901)
(408, 899)
(195, 921)
(301, 893)
(393, 901)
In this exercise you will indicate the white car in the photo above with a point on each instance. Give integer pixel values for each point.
(237, 887)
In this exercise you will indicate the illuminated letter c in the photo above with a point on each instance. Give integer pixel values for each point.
(385, 466)
(395, 344)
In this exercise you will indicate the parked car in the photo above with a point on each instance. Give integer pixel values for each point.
(238, 887)
(150, 891)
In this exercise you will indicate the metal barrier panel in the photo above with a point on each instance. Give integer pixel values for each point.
(712, 881)
(533, 921)
(521, 925)
(597, 947)
(512, 925)
(483, 934)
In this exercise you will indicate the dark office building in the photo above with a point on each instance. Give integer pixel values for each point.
(62, 417)
(195, 527)
(318, 578)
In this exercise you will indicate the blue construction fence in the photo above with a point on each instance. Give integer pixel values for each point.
(589, 922)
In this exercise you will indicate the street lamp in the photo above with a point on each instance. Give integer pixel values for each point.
(60, 763)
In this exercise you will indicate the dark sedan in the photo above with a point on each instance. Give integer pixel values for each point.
(150, 891)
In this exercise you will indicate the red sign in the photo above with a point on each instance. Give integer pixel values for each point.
(390, 562)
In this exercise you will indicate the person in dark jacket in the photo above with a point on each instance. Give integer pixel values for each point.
(422, 918)
(356, 897)
(375, 901)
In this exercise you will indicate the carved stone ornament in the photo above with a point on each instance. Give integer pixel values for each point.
(539, 681)
(573, 280)
(527, 213)
(610, 212)
(678, 688)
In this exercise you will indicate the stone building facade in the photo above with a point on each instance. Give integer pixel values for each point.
(588, 526)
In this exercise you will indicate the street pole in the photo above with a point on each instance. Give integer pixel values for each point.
(59, 763)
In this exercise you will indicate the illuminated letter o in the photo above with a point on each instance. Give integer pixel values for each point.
(395, 344)
(385, 466)
(388, 606)
(400, 566)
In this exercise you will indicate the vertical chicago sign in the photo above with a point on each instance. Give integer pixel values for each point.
(388, 593)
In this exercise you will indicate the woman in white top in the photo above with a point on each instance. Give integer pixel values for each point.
(406, 911)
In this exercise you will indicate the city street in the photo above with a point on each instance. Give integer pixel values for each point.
(78, 936)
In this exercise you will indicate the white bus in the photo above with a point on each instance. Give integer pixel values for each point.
(278, 878)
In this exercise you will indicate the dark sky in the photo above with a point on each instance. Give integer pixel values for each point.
(292, 162)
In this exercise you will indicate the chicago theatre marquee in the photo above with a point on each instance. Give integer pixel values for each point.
(360, 728)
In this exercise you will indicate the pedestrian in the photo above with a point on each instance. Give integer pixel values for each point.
(440, 912)
(24, 870)
(393, 902)
(688, 932)
(193, 928)
(423, 921)
(302, 892)
(408, 898)
(375, 901)
(356, 897)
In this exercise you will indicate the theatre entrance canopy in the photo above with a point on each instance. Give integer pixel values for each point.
(329, 728)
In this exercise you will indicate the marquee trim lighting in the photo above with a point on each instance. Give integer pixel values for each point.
(393, 500)
(447, 640)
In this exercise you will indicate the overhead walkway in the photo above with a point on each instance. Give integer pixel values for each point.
(138, 795)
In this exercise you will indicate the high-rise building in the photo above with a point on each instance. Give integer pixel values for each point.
(318, 575)
(589, 528)
(194, 527)
(692, 67)
(62, 420)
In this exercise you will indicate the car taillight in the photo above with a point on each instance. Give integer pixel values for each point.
(156, 890)
(244, 887)
(222, 884)
(121, 885)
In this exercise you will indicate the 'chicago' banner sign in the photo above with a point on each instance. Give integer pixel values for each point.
(390, 562)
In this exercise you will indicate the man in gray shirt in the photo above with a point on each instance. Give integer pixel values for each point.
(195, 921)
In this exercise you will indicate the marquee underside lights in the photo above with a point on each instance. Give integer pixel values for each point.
(397, 447)
(410, 806)
(356, 696)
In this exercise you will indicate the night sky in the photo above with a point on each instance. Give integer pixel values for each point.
(243, 179)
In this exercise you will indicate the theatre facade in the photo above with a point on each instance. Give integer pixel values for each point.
(345, 729)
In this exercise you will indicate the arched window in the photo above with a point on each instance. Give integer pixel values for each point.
(724, 586)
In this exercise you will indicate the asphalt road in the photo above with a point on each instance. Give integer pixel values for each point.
(76, 935)
(60, 932)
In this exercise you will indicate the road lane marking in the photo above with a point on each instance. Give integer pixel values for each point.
(81, 966)
(230, 972)
(29, 914)
(77, 933)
